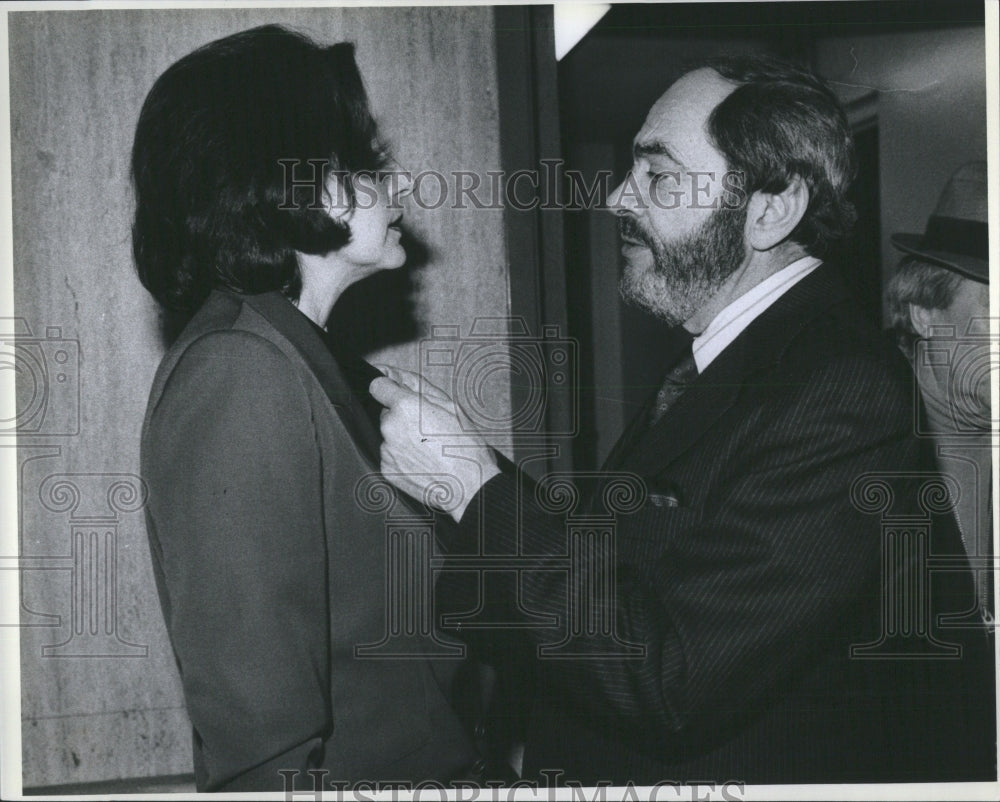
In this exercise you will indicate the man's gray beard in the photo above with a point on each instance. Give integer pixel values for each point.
(688, 272)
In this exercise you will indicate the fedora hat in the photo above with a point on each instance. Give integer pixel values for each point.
(955, 236)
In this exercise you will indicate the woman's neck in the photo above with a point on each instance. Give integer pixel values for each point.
(322, 285)
(316, 309)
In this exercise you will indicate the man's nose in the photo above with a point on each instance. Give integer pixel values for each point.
(621, 202)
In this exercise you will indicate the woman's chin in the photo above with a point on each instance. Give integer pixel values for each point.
(393, 260)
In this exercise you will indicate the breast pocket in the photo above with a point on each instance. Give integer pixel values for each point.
(650, 532)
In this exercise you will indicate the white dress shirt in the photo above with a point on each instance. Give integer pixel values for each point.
(727, 325)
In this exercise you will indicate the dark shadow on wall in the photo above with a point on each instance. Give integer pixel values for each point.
(381, 310)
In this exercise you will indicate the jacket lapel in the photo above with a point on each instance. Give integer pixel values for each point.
(713, 392)
(294, 326)
(638, 426)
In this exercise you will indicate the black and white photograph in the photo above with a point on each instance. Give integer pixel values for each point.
(563, 400)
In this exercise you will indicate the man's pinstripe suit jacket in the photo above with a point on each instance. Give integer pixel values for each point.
(746, 578)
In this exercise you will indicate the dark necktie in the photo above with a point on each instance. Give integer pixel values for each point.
(678, 378)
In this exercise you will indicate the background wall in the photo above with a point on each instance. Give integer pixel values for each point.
(100, 695)
(929, 92)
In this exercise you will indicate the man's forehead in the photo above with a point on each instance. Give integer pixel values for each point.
(681, 111)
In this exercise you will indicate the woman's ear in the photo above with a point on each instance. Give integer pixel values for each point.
(922, 318)
(772, 217)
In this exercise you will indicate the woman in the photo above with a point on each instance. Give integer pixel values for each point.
(269, 571)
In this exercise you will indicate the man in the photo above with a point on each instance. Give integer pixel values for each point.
(747, 592)
(938, 303)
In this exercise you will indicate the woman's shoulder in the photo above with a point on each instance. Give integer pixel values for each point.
(227, 345)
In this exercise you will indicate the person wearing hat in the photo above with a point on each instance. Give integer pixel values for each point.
(938, 304)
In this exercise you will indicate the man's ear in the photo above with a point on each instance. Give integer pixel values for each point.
(772, 217)
(922, 318)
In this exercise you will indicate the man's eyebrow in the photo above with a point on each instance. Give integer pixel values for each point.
(654, 148)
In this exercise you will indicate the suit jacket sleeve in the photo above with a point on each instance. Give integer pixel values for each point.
(235, 494)
(740, 598)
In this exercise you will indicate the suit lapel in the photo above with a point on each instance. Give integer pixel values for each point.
(638, 426)
(709, 396)
(294, 326)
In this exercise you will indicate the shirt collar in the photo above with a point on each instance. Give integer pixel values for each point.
(731, 321)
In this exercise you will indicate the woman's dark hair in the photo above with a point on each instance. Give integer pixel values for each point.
(221, 136)
(784, 121)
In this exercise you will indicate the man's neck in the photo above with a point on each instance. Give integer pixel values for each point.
(760, 266)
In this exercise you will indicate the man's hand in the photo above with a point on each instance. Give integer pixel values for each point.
(417, 463)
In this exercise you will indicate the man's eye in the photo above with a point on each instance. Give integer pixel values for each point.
(665, 175)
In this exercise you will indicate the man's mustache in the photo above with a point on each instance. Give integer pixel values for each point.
(628, 228)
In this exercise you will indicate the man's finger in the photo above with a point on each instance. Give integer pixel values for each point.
(387, 392)
(404, 378)
(415, 382)
(431, 390)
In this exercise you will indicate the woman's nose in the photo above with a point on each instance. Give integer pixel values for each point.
(400, 181)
